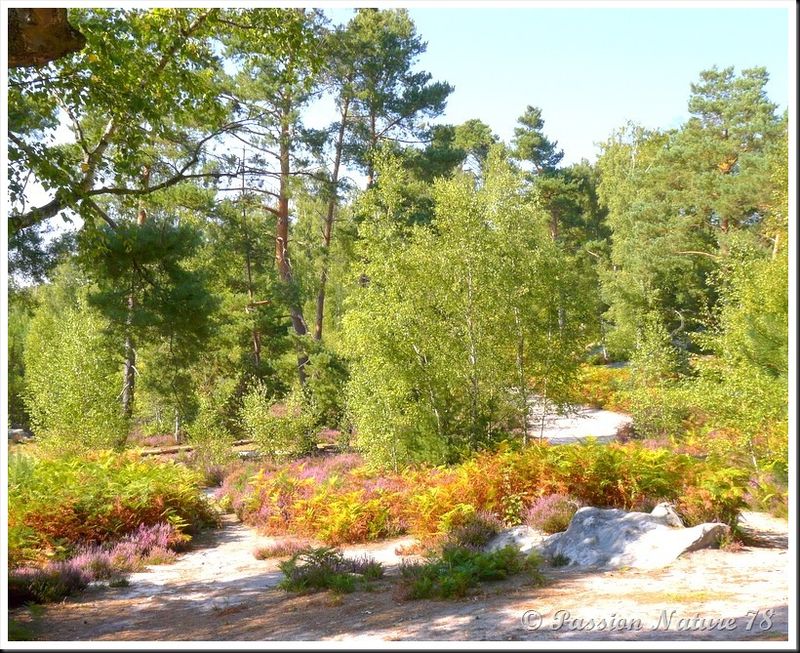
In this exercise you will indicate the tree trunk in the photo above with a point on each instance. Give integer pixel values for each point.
(129, 367)
(282, 250)
(327, 227)
(373, 143)
(37, 36)
(256, 336)
(176, 431)
(523, 382)
(128, 374)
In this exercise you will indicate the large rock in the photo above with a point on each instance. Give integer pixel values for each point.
(524, 538)
(614, 538)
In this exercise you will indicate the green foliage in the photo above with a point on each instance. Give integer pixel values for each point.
(72, 375)
(20, 632)
(476, 531)
(532, 146)
(57, 504)
(675, 198)
(742, 389)
(601, 386)
(149, 264)
(390, 99)
(326, 568)
(20, 312)
(454, 317)
(209, 434)
(326, 387)
(654, 395)
(552, 513)
(461, 569)
(154, 67)
(280, 429)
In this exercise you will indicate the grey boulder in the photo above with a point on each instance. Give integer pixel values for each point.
(612, 538)
(524, 538)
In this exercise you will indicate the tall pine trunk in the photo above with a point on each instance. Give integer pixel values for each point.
(256, 336)
(282, 250)
(327, 227)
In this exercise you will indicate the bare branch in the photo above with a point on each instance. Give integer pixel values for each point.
(109, 221)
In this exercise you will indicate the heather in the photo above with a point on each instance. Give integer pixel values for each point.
(341, 499)
(91, 563)
(551, 513)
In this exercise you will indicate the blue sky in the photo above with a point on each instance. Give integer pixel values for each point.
(590, 70)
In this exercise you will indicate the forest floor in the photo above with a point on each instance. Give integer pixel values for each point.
(219, 591)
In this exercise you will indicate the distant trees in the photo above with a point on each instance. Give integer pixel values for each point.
(675, 197)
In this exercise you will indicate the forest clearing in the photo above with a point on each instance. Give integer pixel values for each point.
(296, 352)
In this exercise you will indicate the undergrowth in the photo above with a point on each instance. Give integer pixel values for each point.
(325, 568)
(109, 562)
(57, 506)
(339, 499)
(460, 569)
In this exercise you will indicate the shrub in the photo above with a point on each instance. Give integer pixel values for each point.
(717, 495)
(279, 430)
(72, 381)
(327, 378)
(51, 583)
(551, 513)
(769, 492)
(476, 532)
(353, 517)
(209, 433)
(326, 568)
(57, 579)
(460, 569)
(57, 505)
(338, 499)
(603, 387)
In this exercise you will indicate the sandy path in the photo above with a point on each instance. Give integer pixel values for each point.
(219, 591)
(576, 423)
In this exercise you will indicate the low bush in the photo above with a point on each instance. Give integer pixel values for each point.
(769, 492)
(46, 584)
(476, 532)
(314, 569)
(601, 386)
(56, 579)
(551, 513)
(56, 506)
(460, 569)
